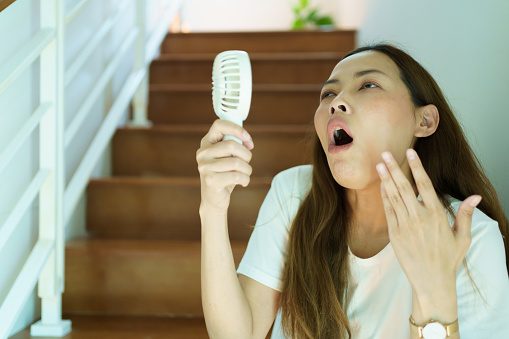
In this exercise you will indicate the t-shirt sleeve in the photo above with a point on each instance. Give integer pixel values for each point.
(266, 250)
(483, 297)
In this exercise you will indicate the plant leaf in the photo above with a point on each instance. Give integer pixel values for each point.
(298, 24)
(312, 16)
(324, 21)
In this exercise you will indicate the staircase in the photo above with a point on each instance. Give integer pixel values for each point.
(137, 275)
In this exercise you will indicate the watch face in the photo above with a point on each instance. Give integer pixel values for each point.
(434, 331)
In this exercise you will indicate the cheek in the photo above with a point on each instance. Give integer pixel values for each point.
(389, 134)
(390, 129)
(395, 116)
(320, 121)
(394, 135)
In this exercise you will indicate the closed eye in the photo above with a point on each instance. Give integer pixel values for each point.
(326, 95)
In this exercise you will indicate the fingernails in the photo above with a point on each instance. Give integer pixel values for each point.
(248, 141)
(411, 154)
(386, 156)
(475, 201)
(381, 168)
(246, 136)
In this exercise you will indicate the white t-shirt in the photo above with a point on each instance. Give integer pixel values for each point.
(380, 296)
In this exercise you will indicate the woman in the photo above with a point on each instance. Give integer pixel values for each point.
(379, 238)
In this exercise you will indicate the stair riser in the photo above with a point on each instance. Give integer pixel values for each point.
(276, 107)
(159, 153)
(135, 283)
(305, 41)
(157, 210)
(264, 71)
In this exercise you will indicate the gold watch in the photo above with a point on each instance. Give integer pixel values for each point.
(433, 329)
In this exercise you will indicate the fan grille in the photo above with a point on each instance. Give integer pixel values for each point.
(231, 83)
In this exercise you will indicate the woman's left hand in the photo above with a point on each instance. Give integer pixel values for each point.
(428, 249)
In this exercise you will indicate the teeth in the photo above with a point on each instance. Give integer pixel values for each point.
(336, 132)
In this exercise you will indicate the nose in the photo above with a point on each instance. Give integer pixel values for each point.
(341, 103)
(334, 107)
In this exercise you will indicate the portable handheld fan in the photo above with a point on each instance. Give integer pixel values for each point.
(231, 87)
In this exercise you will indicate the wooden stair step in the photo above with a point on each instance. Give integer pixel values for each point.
(254, 42)
(135, 277)
(170, 150)
(130, 327)
(270, 104)
(164, 207)
(267, 68)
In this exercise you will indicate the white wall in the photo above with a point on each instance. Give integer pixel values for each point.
(464, 45)
(245, 15)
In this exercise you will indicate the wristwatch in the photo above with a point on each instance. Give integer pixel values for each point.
(433, 329)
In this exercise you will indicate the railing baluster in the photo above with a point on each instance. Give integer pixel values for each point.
(51, 227)
(140, 100)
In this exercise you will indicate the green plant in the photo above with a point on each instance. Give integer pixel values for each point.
(306, 16)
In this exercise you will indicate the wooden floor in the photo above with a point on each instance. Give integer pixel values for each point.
(112, 327)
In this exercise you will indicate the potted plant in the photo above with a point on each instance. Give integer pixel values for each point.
(309, 18)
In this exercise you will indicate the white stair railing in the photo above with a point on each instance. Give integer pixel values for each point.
(57, 201)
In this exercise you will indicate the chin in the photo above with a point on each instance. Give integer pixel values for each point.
(347, 176)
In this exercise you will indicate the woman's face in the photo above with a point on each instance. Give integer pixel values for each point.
(366, 97)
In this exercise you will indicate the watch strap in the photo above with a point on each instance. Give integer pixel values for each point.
(449, 328)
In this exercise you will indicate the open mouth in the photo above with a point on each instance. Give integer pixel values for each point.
(341, 137)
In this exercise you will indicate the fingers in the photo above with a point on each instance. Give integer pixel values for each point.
(221, 180)
(220, 128)
(223, 149)
(224, 164)
(392, 193)
(390, 214)
(212, 148)
(422, 180)
(463, 222)
(236, 171)
(401, 182)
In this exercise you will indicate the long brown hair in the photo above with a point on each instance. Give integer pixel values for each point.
(315, 276)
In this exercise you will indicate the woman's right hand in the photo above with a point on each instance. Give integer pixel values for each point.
(223, 164)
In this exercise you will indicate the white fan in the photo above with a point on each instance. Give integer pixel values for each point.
(231, 87)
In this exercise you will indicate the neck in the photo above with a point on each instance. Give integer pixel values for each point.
(368, 210)
(369, 232)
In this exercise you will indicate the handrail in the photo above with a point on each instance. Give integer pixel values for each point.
(22, 206)
(13, 68)
(21, 136)
(98, 89)
(92, 44)
(24, 284)
(100, 141)
(145, 56)
(160, 31)
(75, 10)
(5, 3)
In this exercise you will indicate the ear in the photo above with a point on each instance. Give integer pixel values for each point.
(426, 121)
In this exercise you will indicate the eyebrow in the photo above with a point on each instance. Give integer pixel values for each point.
(356, 75)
